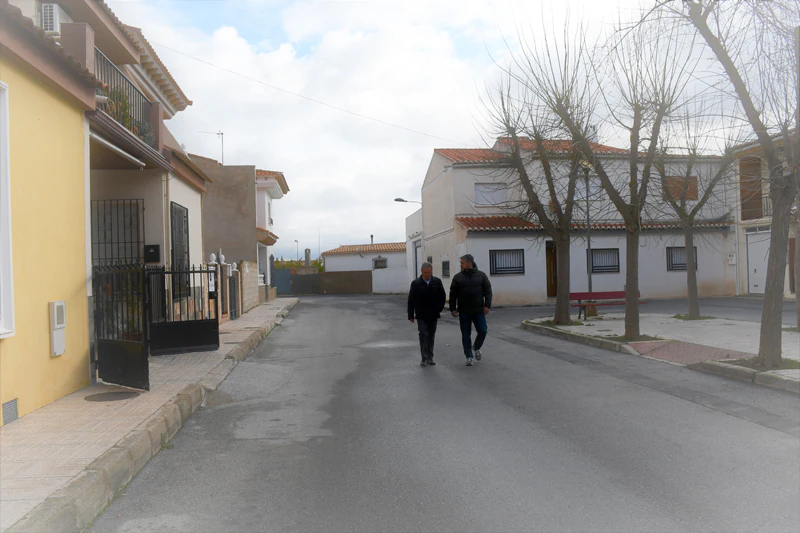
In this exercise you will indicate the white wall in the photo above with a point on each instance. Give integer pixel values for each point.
(392, 279)
(413, 234)
(190, 198)
(715, 277)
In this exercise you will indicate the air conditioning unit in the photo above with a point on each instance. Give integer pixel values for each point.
(53, 16)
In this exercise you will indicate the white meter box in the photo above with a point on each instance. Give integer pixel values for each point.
(58, 325)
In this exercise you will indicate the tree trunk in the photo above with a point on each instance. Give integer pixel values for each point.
(691, 273)
(769, 347)
(632, 285)
(562, 288)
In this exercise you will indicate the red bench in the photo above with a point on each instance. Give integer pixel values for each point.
(605, 298)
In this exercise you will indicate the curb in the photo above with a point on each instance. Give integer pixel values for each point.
(739, 373)
(76, 506)
(748, 375)
(597, 342)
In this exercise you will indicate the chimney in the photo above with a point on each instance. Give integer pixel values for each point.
(591, 135)
(372, 239)
(308, 256)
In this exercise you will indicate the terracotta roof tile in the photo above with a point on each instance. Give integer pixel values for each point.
(470, 155)
(387, 247)
(561, 146)
(512, 223)
(164, 84)
(119, 24)
(14, 13)
(281, 179)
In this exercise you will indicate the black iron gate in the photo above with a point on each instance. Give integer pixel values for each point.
(184, 316)
(121, 320)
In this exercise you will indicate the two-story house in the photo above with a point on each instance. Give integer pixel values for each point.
(754, 224)
(469, 205)
(239, 222)
(44, 94)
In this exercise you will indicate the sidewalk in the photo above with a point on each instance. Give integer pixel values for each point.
(682, 342)
(77, 440)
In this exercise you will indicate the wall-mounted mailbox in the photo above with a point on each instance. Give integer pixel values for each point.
(152, 253)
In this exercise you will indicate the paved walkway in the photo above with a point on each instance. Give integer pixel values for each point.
(44, 450)
(687, 342)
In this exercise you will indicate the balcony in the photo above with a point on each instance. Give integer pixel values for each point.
(756, 208)
(126, 103)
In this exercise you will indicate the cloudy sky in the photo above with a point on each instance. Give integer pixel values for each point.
(291, 85)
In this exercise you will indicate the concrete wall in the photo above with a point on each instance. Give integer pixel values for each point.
(715, 276)
(249, 285)
(133, 184)
(190, 198)
(48, 234)
(229, 211)
(390, 280)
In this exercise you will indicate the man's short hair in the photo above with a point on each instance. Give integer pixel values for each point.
(468, 258)
(426, 265)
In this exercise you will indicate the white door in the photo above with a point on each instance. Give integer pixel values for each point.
(757, 252)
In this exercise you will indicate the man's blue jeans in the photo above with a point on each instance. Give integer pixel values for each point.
(466, 321)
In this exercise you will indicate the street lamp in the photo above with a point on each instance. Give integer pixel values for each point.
(407, 201)
(298, 249)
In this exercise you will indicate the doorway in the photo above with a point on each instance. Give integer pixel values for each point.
(757, 253)
(552, 269)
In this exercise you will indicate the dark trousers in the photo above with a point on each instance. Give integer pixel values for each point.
(466, 321)
(427, 334)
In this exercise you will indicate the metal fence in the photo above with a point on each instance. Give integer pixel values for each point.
(126, 103)
(120, 306)
(195, 300)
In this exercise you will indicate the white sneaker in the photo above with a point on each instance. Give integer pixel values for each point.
(469, 361)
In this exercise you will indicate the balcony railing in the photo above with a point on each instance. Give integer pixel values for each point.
(752, 211)
(126, 104)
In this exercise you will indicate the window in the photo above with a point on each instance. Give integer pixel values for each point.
(179, 231)
(490, 194)
(676, 258)
(6, 273)
(675, 186)
(445, 269)
(379, 262)
(506, 262)
(603, 260)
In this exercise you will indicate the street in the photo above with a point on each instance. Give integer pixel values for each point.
(331, 425)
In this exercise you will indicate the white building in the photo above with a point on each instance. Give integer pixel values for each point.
(754, 225)
(386, 261)
(467, 207)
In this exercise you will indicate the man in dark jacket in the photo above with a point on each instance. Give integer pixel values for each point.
(426, 299)
(470, 300)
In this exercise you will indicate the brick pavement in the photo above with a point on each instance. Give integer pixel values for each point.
(43, 451)
(685, 353)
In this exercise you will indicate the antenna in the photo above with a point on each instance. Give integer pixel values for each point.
(221, 136)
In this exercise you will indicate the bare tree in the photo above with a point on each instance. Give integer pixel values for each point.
(543, 171)
(751, 44)
(641, 80)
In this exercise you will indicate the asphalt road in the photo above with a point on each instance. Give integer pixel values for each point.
(332, 426)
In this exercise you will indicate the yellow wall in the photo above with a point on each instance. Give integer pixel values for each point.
(48, 243)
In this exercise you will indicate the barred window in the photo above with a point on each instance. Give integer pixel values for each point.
(445, 269)
(506, 262)
(379, 262)
(603, 260)
(676, 258)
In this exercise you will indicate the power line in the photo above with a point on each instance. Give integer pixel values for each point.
(314, 100)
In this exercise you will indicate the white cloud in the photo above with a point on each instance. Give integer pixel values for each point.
(419, 64)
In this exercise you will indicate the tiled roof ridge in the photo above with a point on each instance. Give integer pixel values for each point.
(387, 247)
(119, 24)
(140, 34)
(489, 223)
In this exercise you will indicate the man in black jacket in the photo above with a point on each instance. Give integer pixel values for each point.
(426, 299)
(470, 300)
